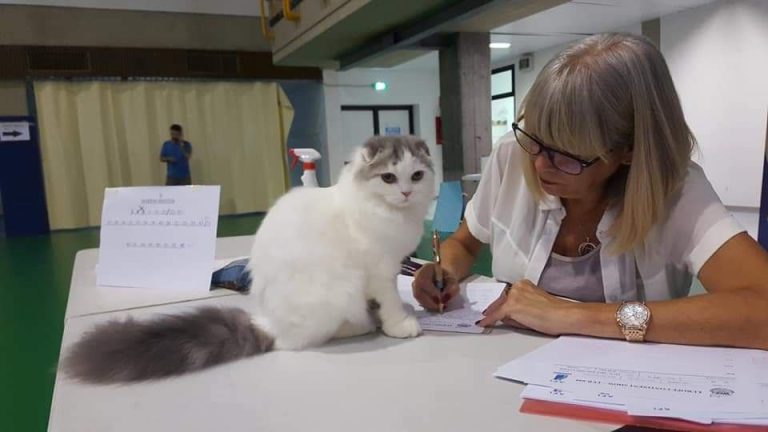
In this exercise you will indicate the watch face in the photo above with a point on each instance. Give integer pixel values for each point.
(634, 314)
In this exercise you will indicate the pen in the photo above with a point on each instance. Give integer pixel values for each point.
(438, 269)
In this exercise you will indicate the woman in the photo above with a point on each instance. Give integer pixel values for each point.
(594, 197)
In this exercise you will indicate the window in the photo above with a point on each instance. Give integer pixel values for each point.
(502, 101)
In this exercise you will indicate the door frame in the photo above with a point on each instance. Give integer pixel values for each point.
(374, 109)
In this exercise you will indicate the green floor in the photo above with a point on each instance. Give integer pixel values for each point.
(34, 284)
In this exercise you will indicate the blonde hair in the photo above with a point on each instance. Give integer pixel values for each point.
(605, 94)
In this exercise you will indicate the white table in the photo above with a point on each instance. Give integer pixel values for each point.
(437, 382)
(87, 298)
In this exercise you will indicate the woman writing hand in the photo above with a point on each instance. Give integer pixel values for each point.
(457, 255)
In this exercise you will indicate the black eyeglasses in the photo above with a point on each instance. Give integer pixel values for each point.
(563, 161)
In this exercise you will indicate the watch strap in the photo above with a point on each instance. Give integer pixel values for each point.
(634, 334)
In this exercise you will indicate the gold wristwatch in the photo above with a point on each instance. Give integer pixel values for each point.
(633, 319)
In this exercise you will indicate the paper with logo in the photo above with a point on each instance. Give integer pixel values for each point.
(695, 383)
(158, 237)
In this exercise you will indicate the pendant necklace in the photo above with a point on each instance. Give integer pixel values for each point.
(587, 245)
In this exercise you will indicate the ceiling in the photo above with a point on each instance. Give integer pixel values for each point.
(556, 24)
(567, 23)
(528, 25)
(363, 26)
(574, 20)
(217, 7)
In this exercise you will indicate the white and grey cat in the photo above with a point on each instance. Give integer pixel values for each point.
(319, 259)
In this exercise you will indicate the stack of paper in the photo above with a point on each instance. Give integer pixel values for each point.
(460, 314)
(699, 384)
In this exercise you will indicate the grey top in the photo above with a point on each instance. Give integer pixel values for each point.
(578, 278)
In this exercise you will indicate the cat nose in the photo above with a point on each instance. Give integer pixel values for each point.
(406, 194)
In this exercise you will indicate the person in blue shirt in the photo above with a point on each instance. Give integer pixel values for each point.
(175, 154)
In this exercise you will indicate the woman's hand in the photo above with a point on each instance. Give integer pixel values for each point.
(427, 294)
(524, 305)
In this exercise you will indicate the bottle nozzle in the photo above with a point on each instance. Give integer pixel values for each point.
(306, 155)
(294, 158)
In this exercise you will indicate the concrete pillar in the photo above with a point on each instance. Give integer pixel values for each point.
(465, 103)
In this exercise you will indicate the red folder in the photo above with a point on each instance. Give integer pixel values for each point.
(598, 415)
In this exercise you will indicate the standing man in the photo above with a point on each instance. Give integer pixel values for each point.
(176, 153)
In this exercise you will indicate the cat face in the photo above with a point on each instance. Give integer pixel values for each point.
(397, 170)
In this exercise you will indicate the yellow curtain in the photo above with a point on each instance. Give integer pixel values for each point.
(95, 135)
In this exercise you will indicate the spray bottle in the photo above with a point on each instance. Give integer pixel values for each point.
(308, 157)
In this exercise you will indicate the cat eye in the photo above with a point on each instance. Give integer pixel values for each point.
(388, 178)
(417, 176)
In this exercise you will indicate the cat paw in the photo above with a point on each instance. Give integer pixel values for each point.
(406, 328)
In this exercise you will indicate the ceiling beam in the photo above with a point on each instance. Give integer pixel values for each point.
(476, 16)
(412, 33)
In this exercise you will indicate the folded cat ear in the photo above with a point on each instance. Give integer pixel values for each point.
(421, 145)
(371, 148)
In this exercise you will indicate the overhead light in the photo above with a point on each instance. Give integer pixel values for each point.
(500, 45)
(380, 86)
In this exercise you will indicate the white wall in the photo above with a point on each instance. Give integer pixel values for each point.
(524, 80)
(219, 7)
(748, 217)
(418, 87)
(718, 56)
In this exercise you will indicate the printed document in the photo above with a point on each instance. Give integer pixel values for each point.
(701, 384)
(158, 237)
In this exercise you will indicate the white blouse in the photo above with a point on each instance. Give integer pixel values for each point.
(521, 232)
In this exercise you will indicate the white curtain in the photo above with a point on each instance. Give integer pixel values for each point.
(95, 135)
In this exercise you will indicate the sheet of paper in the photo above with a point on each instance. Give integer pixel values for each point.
(654, 408)
(606, 401)
(14, 131)
(674, 408)
(461, 314)
(533, 391)
(603, 401)
(680, 391)
(686, 380)
(759, 361)
(158, 237)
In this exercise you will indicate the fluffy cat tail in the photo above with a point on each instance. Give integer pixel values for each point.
(131, 350)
